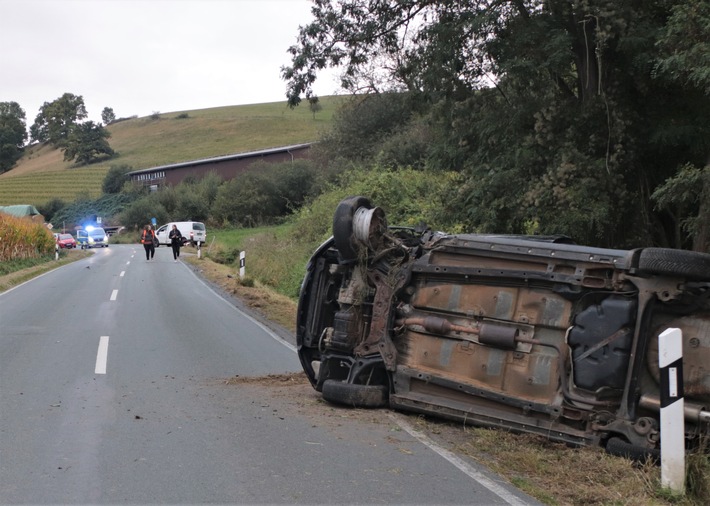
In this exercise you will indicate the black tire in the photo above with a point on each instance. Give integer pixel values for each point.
(343, 225)
(356, 396)
(621, 448)
(675, 262)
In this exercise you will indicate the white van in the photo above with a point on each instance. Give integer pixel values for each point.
(193, 232)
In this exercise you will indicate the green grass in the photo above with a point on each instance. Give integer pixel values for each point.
(147, 142)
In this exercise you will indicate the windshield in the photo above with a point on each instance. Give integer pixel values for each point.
(97, 232)
(65, 236)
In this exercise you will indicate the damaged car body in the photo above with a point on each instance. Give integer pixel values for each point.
(526, 333)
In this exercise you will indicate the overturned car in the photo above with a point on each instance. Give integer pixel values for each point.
(527, 333)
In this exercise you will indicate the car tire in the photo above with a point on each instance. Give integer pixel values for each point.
(674, 262)
(343, 225)
(356, 396)
(621, 448)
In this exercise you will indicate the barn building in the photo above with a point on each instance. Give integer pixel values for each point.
(228, 166)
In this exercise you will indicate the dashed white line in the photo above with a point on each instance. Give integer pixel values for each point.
(114, 294)
(123, 273)
(129, 262)
(102, 356)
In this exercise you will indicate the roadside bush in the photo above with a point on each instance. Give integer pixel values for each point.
(21, 239)
(49, 209)
(140, 212)
(409, 197)
(265, 194)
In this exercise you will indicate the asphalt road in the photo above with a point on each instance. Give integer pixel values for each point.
(114, 389)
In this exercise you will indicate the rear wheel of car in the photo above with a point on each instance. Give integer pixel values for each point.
(692, 264)
(621, 448)
(357, 396)
(343, 225)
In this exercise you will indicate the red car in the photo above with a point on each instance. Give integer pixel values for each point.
(66, 241)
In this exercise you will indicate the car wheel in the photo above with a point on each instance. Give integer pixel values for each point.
(692, 264)
(621, 448)
(343, 225)
(357, 396)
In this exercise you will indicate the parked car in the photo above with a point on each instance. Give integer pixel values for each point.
(525, 333)
(66, 241)
(193, 232)
(92, 237)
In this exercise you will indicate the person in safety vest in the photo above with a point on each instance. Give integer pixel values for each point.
(147, 238)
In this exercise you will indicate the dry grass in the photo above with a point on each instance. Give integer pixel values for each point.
(273, 306)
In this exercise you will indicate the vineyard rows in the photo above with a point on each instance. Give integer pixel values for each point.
(38, 188)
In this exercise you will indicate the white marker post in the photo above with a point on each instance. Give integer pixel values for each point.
(242, 264)
(199, 250)
(670, 361)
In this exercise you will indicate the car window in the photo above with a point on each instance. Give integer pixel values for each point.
(65, 236)
(198, 226)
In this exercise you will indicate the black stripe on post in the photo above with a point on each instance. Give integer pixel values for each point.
(671, 383)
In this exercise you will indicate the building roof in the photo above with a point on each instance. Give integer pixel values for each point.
(224, 158)
(20, 210)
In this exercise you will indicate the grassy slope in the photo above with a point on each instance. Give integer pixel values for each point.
(146, 142)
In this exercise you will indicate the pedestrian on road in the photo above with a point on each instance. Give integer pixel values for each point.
(147, 237)
(175, 241)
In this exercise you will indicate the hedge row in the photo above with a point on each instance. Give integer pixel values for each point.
(21, 238)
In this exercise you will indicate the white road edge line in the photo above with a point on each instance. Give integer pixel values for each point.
(114, 294)
(102, 356)
(253, 320)
(463, 466)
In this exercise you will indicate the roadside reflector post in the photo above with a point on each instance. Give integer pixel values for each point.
(199, 250)
(670, 362)
(56, 251)
(242, 264)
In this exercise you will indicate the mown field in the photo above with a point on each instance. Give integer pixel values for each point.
(164, 139)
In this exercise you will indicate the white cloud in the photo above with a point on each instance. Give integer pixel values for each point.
(141, 56)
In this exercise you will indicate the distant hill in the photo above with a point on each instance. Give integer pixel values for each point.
(173, 137)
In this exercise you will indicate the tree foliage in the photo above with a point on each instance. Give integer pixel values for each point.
(13, 134)
(115, 178)
(56, 119)
(87, 143)
(108, 116)
(562, 116)
(264, 194)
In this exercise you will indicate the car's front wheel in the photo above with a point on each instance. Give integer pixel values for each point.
(357, 396)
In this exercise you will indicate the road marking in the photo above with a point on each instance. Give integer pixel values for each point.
(114, 294)
(122, 273)
(248, 317)
(462, 465)
(102, 356)
(129, 262)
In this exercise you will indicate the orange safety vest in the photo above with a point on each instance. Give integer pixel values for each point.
(147, 237)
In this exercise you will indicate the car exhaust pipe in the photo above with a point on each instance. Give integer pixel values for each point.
(693, 412)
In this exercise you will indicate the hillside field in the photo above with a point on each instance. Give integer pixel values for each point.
(172, 137)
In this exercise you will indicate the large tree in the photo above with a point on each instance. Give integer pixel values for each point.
(13, 134)
(56, 119)
(87, 142)
(564, 115)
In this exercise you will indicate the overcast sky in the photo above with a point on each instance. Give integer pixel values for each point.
(143, 56)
